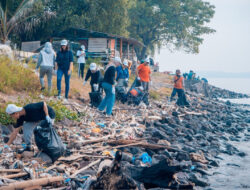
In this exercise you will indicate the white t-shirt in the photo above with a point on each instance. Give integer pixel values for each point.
(81, 59)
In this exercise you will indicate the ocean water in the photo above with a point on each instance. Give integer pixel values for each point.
(240, 85)
(233, 172)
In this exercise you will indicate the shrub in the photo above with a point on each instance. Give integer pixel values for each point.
(15, 77)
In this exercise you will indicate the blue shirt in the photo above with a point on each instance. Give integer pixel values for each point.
(122, 73)
(63, 59)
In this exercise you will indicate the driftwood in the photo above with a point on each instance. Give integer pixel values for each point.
(34, 182)
(85, 168)
(140, 144)
(10, 170)
(96, 140)
(15, 175)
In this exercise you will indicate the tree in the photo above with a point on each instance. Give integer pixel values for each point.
(20, 15)
(177, 24)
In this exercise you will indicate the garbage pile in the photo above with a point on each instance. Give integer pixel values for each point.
(141, 147)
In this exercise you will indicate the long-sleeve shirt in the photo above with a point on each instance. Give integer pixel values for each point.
(122, 73)
(109, 76)
(46, 59)
(63, 59)
(95, 77)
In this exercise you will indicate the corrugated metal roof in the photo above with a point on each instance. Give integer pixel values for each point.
(81, 33)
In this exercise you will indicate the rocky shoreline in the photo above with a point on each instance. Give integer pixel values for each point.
(159, 146)
(197, 136)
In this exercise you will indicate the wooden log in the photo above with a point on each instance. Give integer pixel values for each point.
(85, 168)
(36, 187)
(34, 182)
(10, 170)
(15, 175)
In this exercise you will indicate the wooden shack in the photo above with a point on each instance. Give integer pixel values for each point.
(102, 45)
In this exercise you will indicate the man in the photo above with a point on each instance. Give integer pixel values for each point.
(28, 117)
(143, 74)
(179, 89)
(96, 77)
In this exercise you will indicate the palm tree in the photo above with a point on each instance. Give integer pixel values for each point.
(24, 17)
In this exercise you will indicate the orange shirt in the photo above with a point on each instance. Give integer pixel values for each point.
(144, 72)
(178, 82)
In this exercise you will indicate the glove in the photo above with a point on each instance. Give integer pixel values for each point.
(84, 83)
(138, 78)
(113, 90)
(49, 120)
(126, 80)
(95, 87)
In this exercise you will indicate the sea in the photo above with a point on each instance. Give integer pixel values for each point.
(240, 85)
(233, 172)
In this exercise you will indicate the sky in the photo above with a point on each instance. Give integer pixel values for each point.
(227, 50)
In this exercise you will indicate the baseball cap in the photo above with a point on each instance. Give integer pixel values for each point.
(12, 108)
(64, 43)
(92, 66)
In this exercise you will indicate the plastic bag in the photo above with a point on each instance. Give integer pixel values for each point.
(48, 141)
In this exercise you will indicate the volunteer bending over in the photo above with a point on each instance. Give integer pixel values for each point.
(28, 116)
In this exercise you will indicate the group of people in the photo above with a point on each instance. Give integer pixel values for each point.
(115, 83)
(60, 63)
(116, 76)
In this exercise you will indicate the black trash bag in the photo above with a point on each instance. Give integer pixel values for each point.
(48, 141)
(95, 98)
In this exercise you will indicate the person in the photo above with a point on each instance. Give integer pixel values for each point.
(46, 63)
(96, 77)
(109, 86)
(143, 74)
(122, 74)
(179, 89)
(64, 66)
(81, 61)
(28, 117)
(190, 75)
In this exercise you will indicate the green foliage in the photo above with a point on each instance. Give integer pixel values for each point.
(175, 23)
(5, 119)
(14, 76)
(62, 111)
(20, 16)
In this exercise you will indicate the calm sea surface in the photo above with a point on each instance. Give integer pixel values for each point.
(234, 171)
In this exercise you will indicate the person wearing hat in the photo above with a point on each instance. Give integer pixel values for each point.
(28, 117)
(96, 77)
(122, 73)
(81, 61)
(46, 62)
(64, 66)
(108, 85)
(143, 73)
(179, 89)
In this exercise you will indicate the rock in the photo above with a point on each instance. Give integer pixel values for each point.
(242, 154)
(6, 51)
(214, 163)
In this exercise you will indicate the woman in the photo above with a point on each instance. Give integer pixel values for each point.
(81, 61)
(64, 66)
(109, 86)
(46, 62)
(96, 77)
